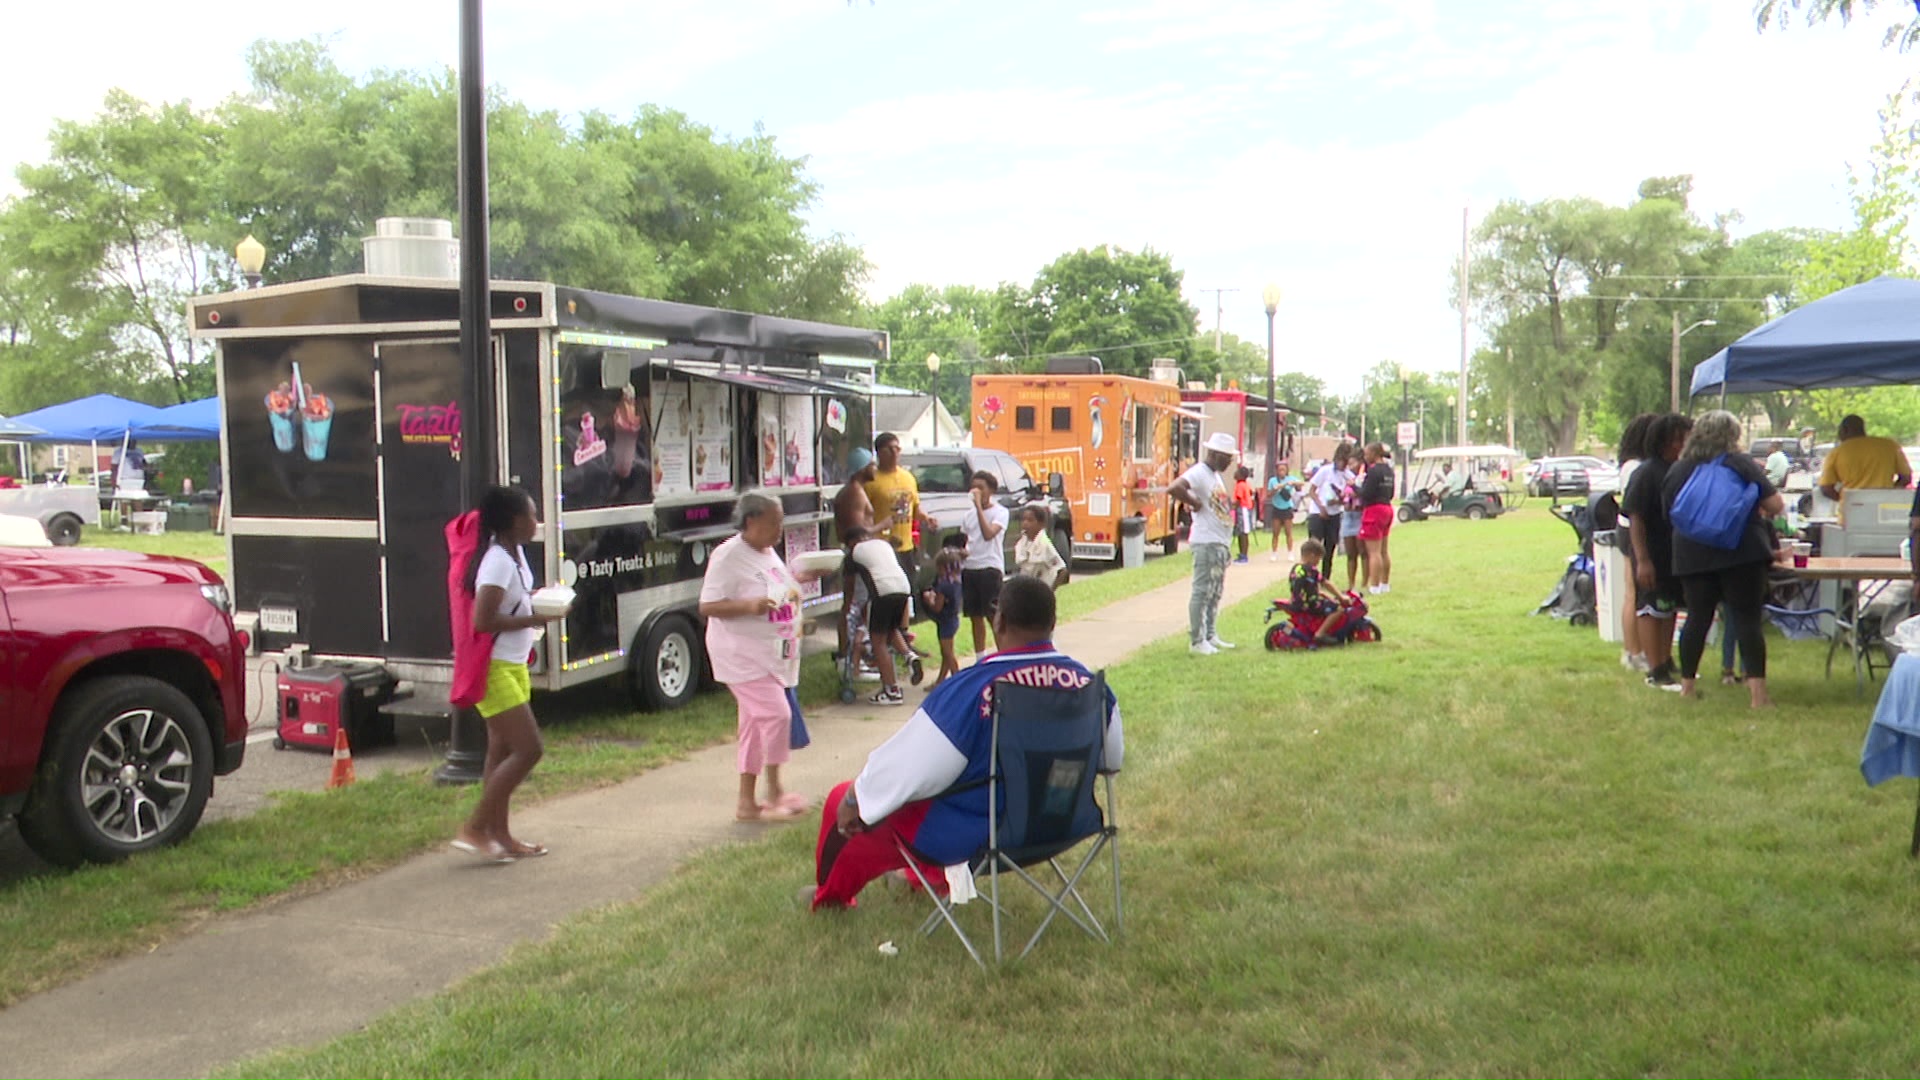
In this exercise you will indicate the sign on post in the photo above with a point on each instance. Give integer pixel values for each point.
(1409, 433)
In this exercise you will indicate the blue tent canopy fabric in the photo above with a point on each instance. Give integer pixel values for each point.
(192, 421)
(14, 429)
(100, 418)
(1866, 335)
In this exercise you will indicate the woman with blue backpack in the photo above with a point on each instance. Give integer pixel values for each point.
(1721, 507)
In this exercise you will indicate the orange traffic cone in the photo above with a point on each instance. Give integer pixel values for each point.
(342, 760)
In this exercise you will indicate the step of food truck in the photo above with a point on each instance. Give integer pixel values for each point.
(420, 700)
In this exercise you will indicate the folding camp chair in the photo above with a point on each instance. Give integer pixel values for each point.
(1048, 745)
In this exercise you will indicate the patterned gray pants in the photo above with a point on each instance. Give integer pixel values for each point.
(1209, 581)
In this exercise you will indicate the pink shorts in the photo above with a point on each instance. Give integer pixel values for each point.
(1375, 521)
(766, 724)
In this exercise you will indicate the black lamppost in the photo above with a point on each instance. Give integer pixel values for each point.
(933, 388)
(467, 744)
(1271, 297)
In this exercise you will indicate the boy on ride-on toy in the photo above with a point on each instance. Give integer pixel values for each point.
(1312, 595)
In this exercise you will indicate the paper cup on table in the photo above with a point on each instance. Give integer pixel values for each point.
(552, 601)
(1801, 552)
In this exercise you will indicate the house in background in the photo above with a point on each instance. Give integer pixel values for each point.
(918, 419)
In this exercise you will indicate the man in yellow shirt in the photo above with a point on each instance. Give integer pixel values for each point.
(896, 506)
(1863, 461)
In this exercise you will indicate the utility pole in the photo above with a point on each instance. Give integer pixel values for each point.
(1219, 305)
(1460, 415)
(1509, 397)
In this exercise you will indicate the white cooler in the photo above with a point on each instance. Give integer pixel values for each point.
(1612, 577)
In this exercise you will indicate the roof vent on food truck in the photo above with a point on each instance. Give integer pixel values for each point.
(1074, 365)
(1164, 369)
(412, 247)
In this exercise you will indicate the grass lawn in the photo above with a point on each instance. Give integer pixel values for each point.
(1477, 848)
(205, 547)
(58, 925)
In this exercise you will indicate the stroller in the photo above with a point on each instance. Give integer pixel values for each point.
(1573, 597)
(1301, 624)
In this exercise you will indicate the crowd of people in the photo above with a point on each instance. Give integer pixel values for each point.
(1678, 568)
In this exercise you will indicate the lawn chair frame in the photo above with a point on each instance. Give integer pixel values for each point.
(995, 858)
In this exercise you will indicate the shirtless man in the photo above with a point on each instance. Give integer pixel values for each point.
(853, 509)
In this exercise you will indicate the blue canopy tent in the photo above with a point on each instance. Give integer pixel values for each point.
(1867, 335)
(17, 433)
(100, 418)
(192, 421)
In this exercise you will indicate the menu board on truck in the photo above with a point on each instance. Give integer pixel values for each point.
(796, 428)
(769, 440)
(712, 436)
(672, 440)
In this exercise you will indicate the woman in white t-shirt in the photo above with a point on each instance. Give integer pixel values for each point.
(502, 587)
(751, 601)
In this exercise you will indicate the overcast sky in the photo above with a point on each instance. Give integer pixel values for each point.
(1328, 147)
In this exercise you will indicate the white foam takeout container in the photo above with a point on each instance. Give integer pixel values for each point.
(552, 600)
(819, 562)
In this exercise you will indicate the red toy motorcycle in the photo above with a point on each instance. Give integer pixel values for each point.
(1300, 625)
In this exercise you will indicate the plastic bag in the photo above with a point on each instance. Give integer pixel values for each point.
(1906, 636)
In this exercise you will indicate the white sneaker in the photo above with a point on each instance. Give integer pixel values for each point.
(1202, 648)
(1273, 556)
(1385, 589)
(1218, 644)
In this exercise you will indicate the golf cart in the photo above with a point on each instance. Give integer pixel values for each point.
(1472, 482)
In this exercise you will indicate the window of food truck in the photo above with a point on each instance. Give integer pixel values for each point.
(1142, 433)
(606, 456)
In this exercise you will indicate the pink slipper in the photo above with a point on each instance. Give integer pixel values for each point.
(791, 801)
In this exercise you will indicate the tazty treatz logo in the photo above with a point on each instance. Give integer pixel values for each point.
(433, 425)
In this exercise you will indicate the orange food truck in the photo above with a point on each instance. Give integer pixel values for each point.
(1109, 437)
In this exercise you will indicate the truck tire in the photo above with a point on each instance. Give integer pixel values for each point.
(663, 667)
(1063, 543)
(1171, 544)
(128, 767)
(63, 530)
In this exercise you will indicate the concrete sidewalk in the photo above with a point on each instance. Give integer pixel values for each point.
(324, 965)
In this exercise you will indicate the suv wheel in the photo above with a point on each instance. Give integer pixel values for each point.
(128, 767)
(663, 668)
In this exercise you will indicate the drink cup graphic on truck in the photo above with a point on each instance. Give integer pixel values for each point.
(280, 416)
(316, 422)
(294, 405)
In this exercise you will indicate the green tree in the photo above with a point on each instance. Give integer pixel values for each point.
(113, 225)
(1905, 34)
(1124, 307)
(950, 322)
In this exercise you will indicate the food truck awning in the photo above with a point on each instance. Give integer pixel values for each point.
(751, 378)
(1174, 409)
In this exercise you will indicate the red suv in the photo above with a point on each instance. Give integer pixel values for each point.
(123, 682)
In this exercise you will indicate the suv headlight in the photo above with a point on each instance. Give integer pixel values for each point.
(218, 596)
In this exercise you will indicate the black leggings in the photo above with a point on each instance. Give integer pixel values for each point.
(1325, 529)
(1743, 589)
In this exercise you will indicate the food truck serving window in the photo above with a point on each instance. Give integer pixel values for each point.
(606, 412)
(1142, 433)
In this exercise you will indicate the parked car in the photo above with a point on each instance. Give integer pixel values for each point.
(1566, 477)
(125, 687)
(944, 474)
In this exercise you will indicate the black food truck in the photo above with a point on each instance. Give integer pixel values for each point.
(634, 424)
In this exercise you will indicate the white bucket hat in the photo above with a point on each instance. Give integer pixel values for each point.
(1222, 442)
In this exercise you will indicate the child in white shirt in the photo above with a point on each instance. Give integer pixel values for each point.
(885, 611)
(1033, 554)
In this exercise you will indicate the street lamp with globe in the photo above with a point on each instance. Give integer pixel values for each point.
(1270, 296)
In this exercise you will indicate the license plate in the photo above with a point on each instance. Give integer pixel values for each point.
(279, 620)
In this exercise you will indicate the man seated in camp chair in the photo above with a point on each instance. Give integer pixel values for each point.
(919, 786)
